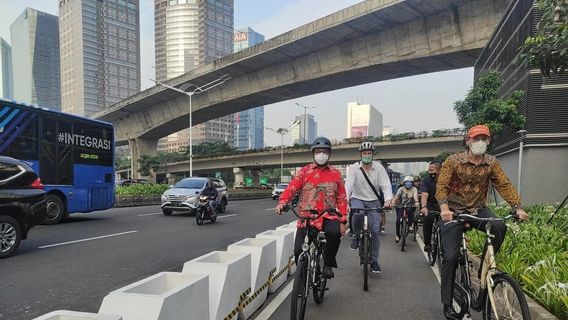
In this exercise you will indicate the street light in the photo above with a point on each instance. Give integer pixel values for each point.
(190, 94)
(522, 133)
(282, 132)
(305, 118)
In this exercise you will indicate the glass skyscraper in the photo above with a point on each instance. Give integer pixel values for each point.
(100, 53)
(249, 133)
(311, 130)
(6, 79)
(189, 34)
(35, 57)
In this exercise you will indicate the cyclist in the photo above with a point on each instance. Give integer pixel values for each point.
(364, 179)
(462, 186)
(406, 195)
(321, 187)
(428, 201)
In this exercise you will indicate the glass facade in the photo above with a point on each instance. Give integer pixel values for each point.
(311, 130)
(189, 34)
(100, 63)
(249, 132)
(35, 58)
(6, 80)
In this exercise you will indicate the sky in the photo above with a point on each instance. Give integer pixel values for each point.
(415, 103)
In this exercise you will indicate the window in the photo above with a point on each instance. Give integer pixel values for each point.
(24, 145)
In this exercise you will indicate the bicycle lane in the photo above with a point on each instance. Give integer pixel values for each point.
(406, 289)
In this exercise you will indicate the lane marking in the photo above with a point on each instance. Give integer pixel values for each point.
(149, 214)
(227, 215)
(435, 266)
(275, 304)
(88, 239)
(268, 209)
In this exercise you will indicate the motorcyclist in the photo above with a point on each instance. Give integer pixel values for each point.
(212, 193)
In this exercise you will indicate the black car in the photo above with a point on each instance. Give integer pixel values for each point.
(23, 203)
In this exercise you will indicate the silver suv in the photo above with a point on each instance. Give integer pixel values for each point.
(183, 195)
(278, 190)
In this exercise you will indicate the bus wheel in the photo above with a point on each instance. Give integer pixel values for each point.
(55, 210)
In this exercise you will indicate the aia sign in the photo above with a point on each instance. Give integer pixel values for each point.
(240, 36)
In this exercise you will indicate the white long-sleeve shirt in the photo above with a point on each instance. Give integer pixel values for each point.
(358, 187)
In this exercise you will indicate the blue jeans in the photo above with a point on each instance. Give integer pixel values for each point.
(212, 205)
(374, 221)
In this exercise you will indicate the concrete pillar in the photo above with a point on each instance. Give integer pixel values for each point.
(138, 147)
(239, 177)
(256, 174)
(172, 178)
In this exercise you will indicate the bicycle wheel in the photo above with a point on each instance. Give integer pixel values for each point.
(403, 233)
(320, 280)
(508, 299)
(460, 295)
(366, 261)
(433, 252)
(299, 291)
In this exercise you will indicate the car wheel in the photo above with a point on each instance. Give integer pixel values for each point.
(10, 236)
(55, 210)
(167, 212)
(223, 206)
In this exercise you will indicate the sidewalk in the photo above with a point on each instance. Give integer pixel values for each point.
(406, 289)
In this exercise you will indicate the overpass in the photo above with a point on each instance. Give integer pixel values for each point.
(423, 149)
(371, 41)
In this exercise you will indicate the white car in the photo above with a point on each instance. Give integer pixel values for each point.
(183, 195)
(278, 190)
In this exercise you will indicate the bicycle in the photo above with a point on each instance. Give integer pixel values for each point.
(435, 252)
(309, 267)
(365, 252)
(499, 295)
(404, 228)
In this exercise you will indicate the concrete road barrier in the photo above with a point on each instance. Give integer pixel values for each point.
(292, 264)
(72, 315)
(163, 296)
(229, 281)
(284, 251)
(262, 269)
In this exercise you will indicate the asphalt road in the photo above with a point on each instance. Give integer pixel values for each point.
(51, 271)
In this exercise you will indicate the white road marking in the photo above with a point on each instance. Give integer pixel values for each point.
(268, 209)
(274, 304)
(149, 214)
(434, 267)
(88, 239)
(227, 215)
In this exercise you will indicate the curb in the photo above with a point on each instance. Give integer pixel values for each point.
(537, 311)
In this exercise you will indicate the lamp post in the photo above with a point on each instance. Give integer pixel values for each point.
(282, 132)
(305, 118)
(190, 94)
(519, 174)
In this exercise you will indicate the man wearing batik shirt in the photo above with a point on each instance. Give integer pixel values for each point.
(462, 186)
(321, 187)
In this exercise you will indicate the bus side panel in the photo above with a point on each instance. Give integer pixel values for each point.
(94, 188)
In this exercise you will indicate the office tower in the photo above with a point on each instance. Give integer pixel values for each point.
(35, 58)
(311, 130)
(363, 120)
(100, 53)
(6, 80)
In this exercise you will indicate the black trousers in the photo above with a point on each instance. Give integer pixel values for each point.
(427, 224)
(452, 235)
(332, 236)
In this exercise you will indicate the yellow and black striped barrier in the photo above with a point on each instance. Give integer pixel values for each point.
(239, 307)
(259, 291)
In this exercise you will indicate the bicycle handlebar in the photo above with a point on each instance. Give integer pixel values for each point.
(464, 217)
(315, 213)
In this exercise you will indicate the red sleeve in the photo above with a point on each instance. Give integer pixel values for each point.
(294, 186)
(341, 200)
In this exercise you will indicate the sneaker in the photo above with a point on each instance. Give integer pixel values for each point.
(411, 229)
(375, 267)
(396, 239)
(426, 248)
(328, 272)
(383, 230)
(354, 244)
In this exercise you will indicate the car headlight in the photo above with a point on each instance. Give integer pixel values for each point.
(164, 198)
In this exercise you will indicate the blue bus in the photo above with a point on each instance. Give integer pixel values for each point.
(72, 155)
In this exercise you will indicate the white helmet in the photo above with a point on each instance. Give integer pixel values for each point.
(367, 146)
(408, 178)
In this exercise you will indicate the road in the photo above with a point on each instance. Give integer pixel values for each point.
(123, 245)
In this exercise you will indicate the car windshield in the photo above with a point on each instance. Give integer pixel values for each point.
(190, 184)
(281, 186)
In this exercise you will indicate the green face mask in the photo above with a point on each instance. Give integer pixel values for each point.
(367, 160)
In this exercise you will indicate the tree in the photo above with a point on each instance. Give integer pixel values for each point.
(483, 105)
(121, 163)
(148, 164)
(548, 49)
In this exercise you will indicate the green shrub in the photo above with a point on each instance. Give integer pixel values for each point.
(141, 189)
(536, 254)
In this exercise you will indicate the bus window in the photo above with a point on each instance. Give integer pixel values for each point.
(23, 139)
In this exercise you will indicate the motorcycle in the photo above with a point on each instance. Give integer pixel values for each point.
(204, 211)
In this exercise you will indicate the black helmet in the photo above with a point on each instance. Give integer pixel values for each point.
(321, 142)
(417, 179)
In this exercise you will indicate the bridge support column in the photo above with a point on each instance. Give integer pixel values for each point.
(239, 177)
(139, 147)
(256, 173)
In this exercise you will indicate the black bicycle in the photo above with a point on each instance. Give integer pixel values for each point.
(435, 252)
(309, 268)
(365, 244)
(404, 227)
(499, 295)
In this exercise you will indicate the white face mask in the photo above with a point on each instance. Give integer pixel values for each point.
(478, 148)
(321, 158)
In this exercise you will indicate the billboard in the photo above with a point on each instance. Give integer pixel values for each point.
(240, 36)
(359, 131)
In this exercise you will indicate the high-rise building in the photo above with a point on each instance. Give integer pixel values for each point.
(389, 130)
(6, 78)
(249, 132)
(189, 34)
(363, 120)
(35, 56)
(311, 130)
(100, 53)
